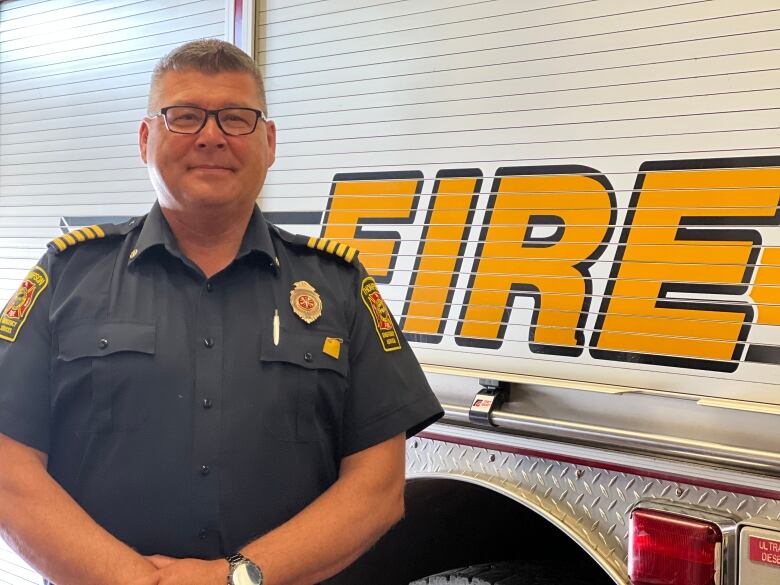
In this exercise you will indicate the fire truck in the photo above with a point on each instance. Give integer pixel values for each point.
(570, 206)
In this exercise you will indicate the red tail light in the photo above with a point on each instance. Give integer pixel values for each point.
(667, 549)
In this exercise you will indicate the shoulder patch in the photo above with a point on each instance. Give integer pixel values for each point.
(347, 253)
(92, 232)
(18, 308)
(383, 322)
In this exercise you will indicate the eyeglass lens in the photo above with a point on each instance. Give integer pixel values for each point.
(190, 120)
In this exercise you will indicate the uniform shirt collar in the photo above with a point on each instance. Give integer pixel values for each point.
(257, 238)
(156, 232)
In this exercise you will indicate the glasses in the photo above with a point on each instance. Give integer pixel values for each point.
(191, 120)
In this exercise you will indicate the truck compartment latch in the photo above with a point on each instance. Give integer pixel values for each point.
(490, 397)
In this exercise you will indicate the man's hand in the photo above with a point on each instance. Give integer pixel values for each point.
(186, 572)
(161, 561)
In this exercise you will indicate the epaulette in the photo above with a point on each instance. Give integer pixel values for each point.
(338, 249)
(92, 232)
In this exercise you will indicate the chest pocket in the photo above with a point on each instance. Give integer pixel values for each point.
(302, 385)
(113, 360)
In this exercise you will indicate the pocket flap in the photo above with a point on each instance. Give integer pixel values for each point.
(91, 339)
(313, 351)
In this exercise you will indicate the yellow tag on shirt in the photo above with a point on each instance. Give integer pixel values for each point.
(332, 347)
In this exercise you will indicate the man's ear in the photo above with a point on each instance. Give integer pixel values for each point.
(143, 139)
(270, 136)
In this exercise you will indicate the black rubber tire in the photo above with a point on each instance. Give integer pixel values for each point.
(509, 573)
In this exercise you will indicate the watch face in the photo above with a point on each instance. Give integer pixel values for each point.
(247, 574)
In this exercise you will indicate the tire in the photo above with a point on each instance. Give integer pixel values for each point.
(511, 573)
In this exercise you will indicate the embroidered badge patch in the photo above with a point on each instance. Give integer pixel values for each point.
(305, 301)
(17, 309)
(383, 323)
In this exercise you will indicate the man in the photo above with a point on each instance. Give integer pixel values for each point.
(196, 382)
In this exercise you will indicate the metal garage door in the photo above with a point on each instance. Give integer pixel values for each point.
(73, 87)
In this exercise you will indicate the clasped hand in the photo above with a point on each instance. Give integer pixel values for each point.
(172, 571)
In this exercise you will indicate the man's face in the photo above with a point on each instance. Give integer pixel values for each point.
(209, 168)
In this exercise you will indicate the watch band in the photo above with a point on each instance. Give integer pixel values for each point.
(233, 561)
(237, 560)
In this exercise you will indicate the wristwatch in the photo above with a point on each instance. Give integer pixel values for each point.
(243, 571)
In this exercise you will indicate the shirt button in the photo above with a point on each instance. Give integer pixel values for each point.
(307, 356)
(203, 534)
(204, 470)
(208, 342)
(207, 403)
(209, 287)
(103, 343)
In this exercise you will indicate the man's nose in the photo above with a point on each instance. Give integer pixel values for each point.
(210, 135)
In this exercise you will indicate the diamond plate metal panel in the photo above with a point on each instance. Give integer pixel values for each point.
(591, 504)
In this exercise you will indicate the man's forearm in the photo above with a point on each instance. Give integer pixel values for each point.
(51, 532)
(337, 527)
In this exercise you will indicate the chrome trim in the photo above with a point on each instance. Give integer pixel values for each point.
(728, 528)
(731, 404)
(598, 556)
(762, 523)
(570, 484)
(747, 460)
(684, 471)
(558, 383)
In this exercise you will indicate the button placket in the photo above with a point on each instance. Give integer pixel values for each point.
(208, 321)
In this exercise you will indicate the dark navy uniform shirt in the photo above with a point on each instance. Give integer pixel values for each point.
(169, 408)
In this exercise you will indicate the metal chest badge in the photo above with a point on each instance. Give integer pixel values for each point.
(305, 301)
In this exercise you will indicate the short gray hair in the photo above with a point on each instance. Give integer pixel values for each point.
(208, 56)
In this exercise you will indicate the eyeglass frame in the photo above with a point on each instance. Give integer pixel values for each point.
(259, 115)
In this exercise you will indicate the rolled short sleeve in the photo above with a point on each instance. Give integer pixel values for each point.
(388, 391)
(25, 347)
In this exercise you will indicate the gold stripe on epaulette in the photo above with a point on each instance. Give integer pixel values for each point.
(78, 236)
(334, 247)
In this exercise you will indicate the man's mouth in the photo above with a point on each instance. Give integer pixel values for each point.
(211, 168)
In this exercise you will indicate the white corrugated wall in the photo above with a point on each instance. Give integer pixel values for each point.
(74, 77)
(73, 88)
